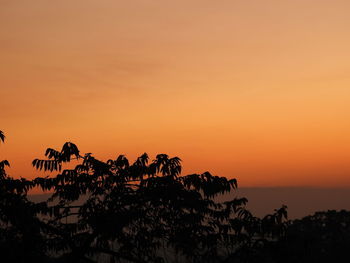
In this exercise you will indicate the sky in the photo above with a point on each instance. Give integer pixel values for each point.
(254, 90)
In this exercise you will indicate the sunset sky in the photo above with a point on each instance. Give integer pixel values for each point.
(256, 90)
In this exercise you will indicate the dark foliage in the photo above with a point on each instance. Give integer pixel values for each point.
(21, 237)
(145, 211)
(322, 237)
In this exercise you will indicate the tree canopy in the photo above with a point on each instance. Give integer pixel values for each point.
(122, 211)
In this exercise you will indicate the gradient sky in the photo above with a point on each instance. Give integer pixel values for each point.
(256, 90)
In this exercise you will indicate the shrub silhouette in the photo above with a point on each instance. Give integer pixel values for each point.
(322, 237)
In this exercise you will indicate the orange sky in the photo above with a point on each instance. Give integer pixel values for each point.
(257, 90)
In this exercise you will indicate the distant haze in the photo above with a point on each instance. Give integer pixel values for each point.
(300, 201)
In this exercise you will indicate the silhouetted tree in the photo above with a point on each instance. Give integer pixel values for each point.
(140, 212)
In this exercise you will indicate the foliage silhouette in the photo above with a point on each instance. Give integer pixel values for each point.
(133, 211)
(322, 237)
(145, 211)
(20, 228)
